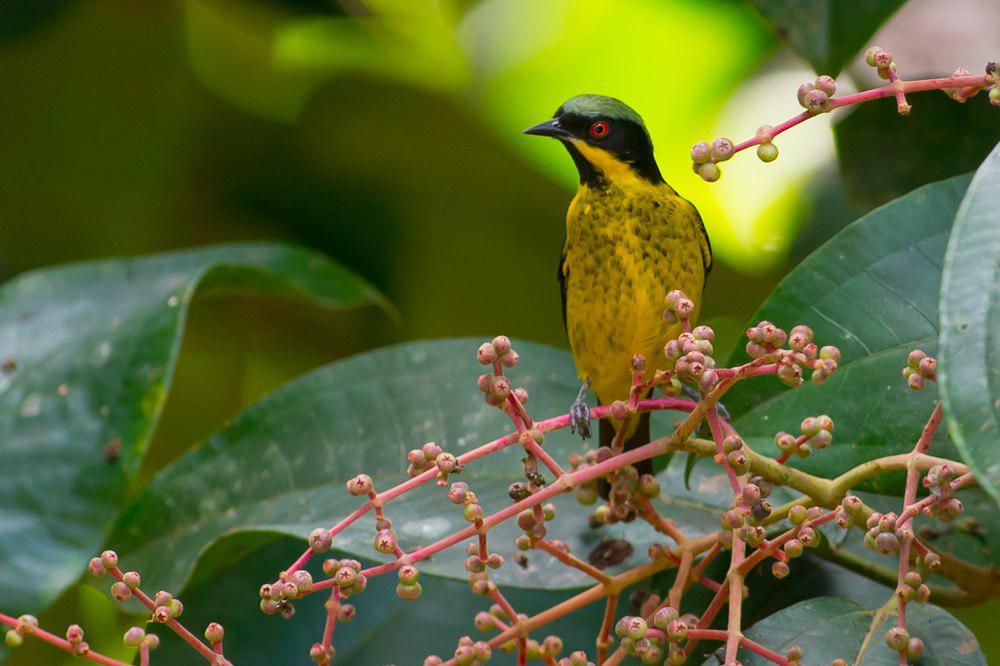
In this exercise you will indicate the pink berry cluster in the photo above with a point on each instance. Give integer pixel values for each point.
(766, 340)
(661, 641)
(944, 506)
(431, 455)
(164, 607)
(815, 97)
(495, 387)
(920, 369)
(278, 597)
(26, 625)
(817, 432)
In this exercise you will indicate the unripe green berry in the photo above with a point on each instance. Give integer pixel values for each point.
(408, 592)
(914, 648)
(709, 172)
(472, 512)
(767, 152)
(995, 95)
(792, 548)
(897, 638)
(13, 639)
(797, 514)
(870, 56)
(664, 617)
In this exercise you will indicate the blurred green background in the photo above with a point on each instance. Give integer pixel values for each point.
(386, 133)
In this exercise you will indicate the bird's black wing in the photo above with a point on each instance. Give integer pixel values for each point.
(706, 244)
(562, 282)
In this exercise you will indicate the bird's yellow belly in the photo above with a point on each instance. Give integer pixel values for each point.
(618, 271)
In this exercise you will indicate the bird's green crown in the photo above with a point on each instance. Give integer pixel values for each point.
(599, 106)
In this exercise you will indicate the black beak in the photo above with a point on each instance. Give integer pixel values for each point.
(548, 128)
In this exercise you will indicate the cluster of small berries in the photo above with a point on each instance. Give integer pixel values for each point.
(748, 510)
(817, 432)
(661, 641)
(321, 655)
(898, 639)
(548, 649)
(476, 565)
(586, 492)
(277, 597)
(532, 523)
(166, 607)
(815, 97)
(920, 368)
(734, 453)
(689, 356)
(26, 625)
(430, 455)
(850, 511)
(495, 387)
(475, 653)
(881, 60)
(766, 339)
(705, 157)
(347, 575)
(883, 536)
(804, 537)
(945, 507)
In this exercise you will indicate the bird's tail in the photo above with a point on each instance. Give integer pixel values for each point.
(639, 437)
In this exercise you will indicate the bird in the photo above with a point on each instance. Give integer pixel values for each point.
(630, 240)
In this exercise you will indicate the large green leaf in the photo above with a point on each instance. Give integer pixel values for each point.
(280, 468)
(827, 33)
(89, 352)
(970, 326)
(940, 139)
(872, 291)
(829, 628)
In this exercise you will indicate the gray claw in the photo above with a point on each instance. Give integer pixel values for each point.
(579, 419)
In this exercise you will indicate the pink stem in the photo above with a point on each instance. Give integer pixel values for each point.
(62, 643)
(714, 424)
(174, 625)
(549, 425)
(898, 87)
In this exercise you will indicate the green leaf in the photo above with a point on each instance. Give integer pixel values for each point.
(280, 468)
(938, 140)
(827, 33)
(970, 326)
(89, 352)
(872, 292)
(828, 628)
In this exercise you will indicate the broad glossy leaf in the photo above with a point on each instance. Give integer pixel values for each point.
(970, 326)
(827, 33)
(89, 351)
(829, 628)
(872, 292)
(938, 140)
(281, 467)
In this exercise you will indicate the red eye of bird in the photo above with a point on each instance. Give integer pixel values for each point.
(599, 130)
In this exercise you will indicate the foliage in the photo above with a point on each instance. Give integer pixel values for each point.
(342, 114)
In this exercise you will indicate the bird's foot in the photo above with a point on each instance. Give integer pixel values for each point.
(693, 393)
(579, 413)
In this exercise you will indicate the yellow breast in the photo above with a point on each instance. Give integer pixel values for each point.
(627, 246)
